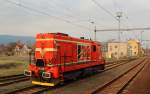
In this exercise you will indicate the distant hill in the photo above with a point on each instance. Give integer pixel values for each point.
(4, 39)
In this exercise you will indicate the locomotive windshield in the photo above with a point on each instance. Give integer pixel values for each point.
(40, 63)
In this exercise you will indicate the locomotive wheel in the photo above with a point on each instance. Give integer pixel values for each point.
(62, 83)
(102, 66)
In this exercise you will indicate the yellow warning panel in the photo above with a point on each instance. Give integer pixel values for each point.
(42, 83)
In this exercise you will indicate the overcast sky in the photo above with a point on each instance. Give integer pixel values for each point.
(28, 17)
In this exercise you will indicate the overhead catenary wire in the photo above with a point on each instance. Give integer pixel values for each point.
(111, 14)
(65, 11)
(65, 8)
(122, 29)
(116, 6)
(45, 13)
(125, 20)
(53, 6)
(104, 9)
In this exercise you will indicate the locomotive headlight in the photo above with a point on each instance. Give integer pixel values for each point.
(46, 75)
(27, 73)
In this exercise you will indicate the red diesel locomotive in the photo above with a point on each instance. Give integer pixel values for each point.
(59, 57)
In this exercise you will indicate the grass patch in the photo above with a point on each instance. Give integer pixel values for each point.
(11, 65)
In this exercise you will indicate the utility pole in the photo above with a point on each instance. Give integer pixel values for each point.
(141, 36)
(92, 22)
(95, 33)
(119, 15)
(141, 40)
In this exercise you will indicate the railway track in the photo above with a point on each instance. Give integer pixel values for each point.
(31, 90)
(39, 89)
(117, 85)
(7, 80)
(110, 66)
(115, 64)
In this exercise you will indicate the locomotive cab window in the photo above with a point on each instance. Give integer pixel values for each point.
(79, 51)
(94, 48)
(40, 63)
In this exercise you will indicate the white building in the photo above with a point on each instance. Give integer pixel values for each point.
(117, 50)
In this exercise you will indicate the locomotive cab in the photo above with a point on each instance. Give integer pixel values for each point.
(42, 68)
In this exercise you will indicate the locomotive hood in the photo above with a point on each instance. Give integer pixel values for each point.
(45, 48)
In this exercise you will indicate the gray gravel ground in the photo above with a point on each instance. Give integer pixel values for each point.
(80, 86)
(15, 86)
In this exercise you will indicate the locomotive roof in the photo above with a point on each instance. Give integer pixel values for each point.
(65, 37)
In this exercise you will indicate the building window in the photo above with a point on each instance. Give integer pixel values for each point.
(110, 48)
(135, 53)
(115, 53)
(116, 46)
(129, 47)
(122, 53)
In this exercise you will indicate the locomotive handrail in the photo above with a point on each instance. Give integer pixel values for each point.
(71, 63)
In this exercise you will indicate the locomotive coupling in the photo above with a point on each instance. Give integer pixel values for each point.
(46, 75)
(27, 73)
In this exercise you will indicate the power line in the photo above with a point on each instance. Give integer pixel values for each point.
(116, 6)
(67, 12)
(44, 13)
(122, 29)
(55, 4)
(104, 9)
